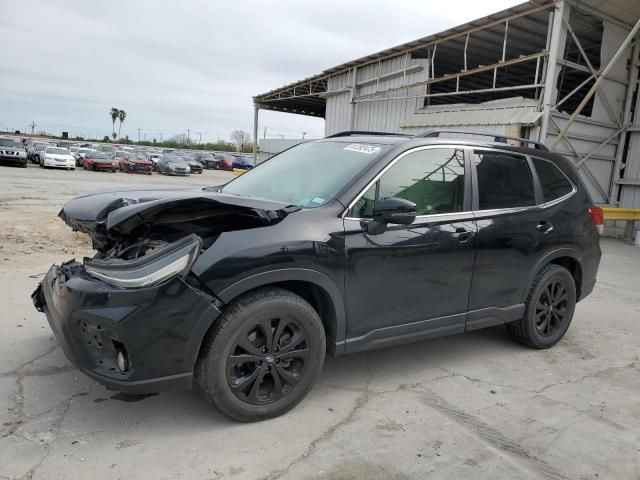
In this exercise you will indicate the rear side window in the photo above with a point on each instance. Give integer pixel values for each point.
(504, 180)
(554, 183)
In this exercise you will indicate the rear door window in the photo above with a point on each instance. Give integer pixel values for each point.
(504, 180)
(554, 183)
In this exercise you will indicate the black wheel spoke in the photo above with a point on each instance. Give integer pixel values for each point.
(295, 340)
(241, 359)
(302, 353)
(267, 329)
(278, 333)
(289, 377)
(277, 384)
(560, 298)
(247, 346)
(255, 389)
(243, 383)
(544, 324)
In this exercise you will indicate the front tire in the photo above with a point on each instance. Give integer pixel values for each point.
(263, 355)
(549, 309)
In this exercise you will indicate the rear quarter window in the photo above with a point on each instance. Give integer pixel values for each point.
(554, 183)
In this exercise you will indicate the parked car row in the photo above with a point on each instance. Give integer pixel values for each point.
(111, 157)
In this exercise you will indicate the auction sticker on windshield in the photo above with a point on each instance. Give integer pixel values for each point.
(362, 148)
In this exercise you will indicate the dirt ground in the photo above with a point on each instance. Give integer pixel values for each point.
(472, 406)
(31, 198)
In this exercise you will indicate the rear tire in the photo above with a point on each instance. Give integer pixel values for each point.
(548, 310)
(262, 356)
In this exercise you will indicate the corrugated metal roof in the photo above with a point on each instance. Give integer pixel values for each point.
(500, 112)
(312, 104)
(389, 52)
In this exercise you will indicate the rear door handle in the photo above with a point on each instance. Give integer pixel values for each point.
(545, 227)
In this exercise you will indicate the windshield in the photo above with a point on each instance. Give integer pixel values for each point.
(97, 156)
(58, 151)
(308, 175)
(9, 142)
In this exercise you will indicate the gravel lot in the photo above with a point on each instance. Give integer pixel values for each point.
(465, 407)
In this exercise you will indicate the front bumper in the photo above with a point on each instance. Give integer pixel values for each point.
(160, 328)
(103, 166)
(138, 168)
(13, 159)
(59, 163)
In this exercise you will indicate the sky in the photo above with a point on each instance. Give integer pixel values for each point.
(190, 64)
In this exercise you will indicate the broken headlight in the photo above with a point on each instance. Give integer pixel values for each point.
(174, 259)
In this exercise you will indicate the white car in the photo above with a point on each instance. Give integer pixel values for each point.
(57, 157)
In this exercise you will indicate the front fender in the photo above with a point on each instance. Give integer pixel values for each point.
(295, 274)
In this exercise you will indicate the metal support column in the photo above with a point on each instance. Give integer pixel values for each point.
(354, 105)
(626, 118)
(556, 52)
(256, 109)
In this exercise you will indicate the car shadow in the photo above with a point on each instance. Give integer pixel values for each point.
(384, 369)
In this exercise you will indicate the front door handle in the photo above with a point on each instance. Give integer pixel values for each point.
(545, 227)
(462, 235)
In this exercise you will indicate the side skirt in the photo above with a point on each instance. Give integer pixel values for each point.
(434, 328)
(489, 317)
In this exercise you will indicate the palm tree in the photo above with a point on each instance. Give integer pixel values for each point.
(115, 113)
(121, 115)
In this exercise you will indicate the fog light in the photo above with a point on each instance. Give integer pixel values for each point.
(122, 361)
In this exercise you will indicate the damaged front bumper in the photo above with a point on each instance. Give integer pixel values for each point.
(158, 329)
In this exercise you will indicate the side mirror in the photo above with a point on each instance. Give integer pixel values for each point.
(391, 210)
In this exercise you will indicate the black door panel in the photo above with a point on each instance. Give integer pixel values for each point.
(408, 273)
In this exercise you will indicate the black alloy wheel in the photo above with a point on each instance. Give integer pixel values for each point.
(267, 360)
(262, 355)
(549, 308)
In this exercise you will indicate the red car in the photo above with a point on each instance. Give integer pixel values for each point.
(224, 162)
(133, 163)
(99, 161)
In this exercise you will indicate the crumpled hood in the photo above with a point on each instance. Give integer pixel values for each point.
(109, 215)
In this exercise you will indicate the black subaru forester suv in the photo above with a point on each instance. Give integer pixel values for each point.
(349, 243)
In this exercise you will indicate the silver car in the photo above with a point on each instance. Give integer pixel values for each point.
(12, 152)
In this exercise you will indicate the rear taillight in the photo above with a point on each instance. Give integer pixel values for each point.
(597, 215)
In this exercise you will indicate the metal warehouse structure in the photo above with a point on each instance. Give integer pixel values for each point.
(563, 72)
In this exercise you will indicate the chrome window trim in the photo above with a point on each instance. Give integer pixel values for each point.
(574, 189)
(384, 170)
(497, 211)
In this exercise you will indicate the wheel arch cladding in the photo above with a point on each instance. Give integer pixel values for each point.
(315, 287)
(573, 265)
(565, 257)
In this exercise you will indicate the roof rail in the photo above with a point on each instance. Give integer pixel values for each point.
(496, 138)
(349, 133)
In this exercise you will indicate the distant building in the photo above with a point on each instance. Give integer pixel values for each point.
(522, 71)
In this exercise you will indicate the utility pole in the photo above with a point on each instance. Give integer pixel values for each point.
(33, 126)
(188, 136)
(303, 134)
(264, 135)
(139, 134)
(199, 137)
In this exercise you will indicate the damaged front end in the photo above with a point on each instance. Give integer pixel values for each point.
(133, 316)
